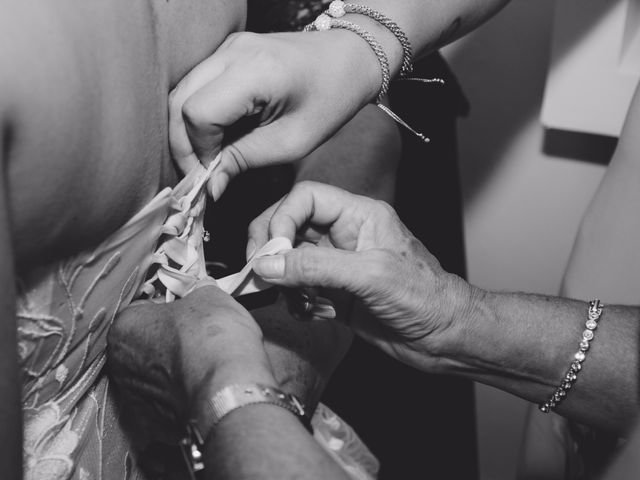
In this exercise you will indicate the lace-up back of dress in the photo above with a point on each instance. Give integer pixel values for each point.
(64, 311)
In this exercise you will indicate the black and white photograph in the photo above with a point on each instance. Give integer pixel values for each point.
(320, 239)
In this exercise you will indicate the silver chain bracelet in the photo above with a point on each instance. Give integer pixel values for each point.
(338, 9)
(595, 311)
(325, 22)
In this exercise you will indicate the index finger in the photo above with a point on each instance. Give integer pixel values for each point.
(181, 149)
(309, 203)
(258, 231)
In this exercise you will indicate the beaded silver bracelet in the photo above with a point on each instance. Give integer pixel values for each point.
(595, 311)
(338, 9)
(325, 22)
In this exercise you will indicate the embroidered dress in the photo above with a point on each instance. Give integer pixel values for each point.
(64, 310)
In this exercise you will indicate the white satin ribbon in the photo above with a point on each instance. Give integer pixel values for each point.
(180, 257)
(246, 281)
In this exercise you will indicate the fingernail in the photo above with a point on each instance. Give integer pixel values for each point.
(325, 312)
(213, 190)
(217, 184)
(251, 249)
(270, 267)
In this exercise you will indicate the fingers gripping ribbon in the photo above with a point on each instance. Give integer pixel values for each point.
(178, 264)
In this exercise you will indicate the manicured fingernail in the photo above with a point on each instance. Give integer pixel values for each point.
(269, 267)
(251, 249)
(213, 190)
(217, 184)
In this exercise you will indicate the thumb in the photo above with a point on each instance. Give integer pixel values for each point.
(312, 267)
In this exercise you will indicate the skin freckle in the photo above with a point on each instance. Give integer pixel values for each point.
(415, 245)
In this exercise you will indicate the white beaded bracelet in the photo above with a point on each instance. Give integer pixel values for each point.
(595, 311)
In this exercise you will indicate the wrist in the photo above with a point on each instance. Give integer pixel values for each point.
(238, 370)
(359, 62)
(390, 44)
(386, 33)
(465, 306)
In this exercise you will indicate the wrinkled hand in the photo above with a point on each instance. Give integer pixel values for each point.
(292, 89)
(303, 353)
(374, 257)
(161, 356)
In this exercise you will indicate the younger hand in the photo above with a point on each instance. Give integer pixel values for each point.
(374, 257)
(293, 90)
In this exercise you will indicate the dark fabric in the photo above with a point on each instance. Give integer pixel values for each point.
(228, 220)
(419, 426)
(283, 15)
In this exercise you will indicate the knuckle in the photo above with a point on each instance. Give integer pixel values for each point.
(384, 208)
(378, 265)
(193, 113)
(303, 187)
(257, 226)
(174, 98)
(254, 226)
(233, 37)
(255, 51)
(240, 39)
(237, 158)
(178, 96)
(308, 268)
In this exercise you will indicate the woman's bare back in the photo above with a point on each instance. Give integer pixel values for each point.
(83, 135)
(83, 100)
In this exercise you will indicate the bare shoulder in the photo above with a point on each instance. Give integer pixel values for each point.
(83, 98)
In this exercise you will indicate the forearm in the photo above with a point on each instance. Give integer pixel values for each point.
(429, 24)
(260, 440)
(525, 343)
(265, 441)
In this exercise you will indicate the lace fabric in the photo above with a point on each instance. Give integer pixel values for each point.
(64, 310)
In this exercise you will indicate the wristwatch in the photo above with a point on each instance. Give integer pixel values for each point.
(225, 401)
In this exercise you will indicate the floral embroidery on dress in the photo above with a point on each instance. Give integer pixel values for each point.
(49, 444)
(64, 313)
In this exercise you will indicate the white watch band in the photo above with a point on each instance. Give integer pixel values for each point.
(232, 397)
(227, 400)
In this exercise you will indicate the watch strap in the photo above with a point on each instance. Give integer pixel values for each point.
(233, 397)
